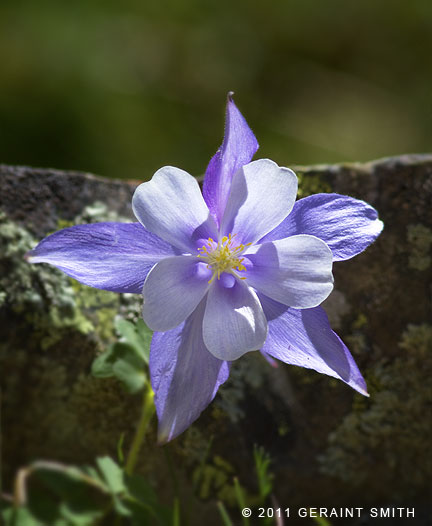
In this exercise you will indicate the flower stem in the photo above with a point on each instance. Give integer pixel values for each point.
(147, 411)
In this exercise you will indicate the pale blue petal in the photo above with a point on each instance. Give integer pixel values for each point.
(234, 322)
(238, 148)
(172, 207)
(305, 338)
(262, 195)
(347, 225)
(185, 376)
(172, 291)
(296, 271)
(109, 256)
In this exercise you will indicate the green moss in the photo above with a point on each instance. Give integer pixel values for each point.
(52, 327)
(99, 306)
(46, 298)
(104, 410)
(98, 212)
(309, 184)
(420, 245)
(40, 294)
(360, 322)
(58, 413)
(417, 338)
(384, 441)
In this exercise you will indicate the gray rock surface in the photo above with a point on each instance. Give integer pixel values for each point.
(328, 444)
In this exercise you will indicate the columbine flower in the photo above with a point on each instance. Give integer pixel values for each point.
(241, 267)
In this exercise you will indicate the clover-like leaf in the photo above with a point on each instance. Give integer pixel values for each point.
(137, 336)
(129, 368)
(112, 474)
(127, 359)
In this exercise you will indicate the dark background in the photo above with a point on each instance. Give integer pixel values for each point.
(122, 88)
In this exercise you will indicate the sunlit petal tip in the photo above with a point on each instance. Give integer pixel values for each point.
(363, 392)
(162, 438)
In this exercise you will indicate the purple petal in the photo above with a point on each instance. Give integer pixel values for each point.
(172, 207)
(296, 271)
(305, 338)
(238, 148)
(347, 225)
(172, 291)
(185, 376)
(109, 256)
(234, 322)
(262, 195)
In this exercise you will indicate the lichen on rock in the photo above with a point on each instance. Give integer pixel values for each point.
(52, 328)
(420, 244)
(389, 434)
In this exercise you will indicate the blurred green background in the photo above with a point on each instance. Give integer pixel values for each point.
(122, 88)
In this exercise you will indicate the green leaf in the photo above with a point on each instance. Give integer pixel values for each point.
(240, 497)
(127, 330)
(68, 497)
(121, 507)
(128, 358)
(102, 365)
(120, 454)
(145, 336)
(176, 512)
(93, 473)
(137, 336)
(140, 489)
(144, 503)
(224, 514)
(70, 483)
(79, 517)
(112, 474)
(22, 517)
(129, 368)
(6, 513)
(262, 466)
(122, 361)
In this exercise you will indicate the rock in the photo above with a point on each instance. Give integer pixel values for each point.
(37, 198)
(328, 444)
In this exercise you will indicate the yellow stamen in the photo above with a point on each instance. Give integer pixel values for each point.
(224, 257)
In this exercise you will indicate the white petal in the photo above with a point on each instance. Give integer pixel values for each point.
(262, 195)
(172, 207)
(172, 290)
(296, 271)
(234, 322)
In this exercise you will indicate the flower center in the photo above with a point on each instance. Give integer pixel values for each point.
(223, 256)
